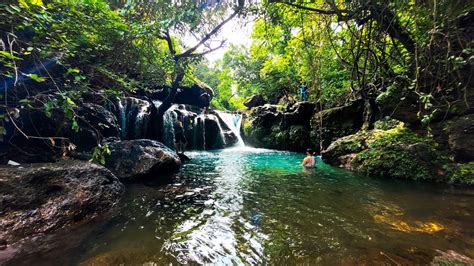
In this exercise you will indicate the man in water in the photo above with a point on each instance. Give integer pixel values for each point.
(309, 161)
(180, 139)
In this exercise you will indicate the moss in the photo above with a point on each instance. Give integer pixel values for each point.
(461, 174)
(387, 123)
(253, 134)
(394, 163)
(397, 135)
(400, 153)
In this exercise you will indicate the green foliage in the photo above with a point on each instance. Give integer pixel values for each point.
(400, 153)
(461, 174)
(100, 153)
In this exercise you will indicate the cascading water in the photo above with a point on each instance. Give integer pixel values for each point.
(169, 120)
(233, 122)
(134, 115)
(199, 136)
(123, 119)
(141, 121)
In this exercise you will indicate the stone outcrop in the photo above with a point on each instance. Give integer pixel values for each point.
(331, 124)
(395, 153)
(460, 133)
(269, 127)
(132, 159)
(186, 95)
(38, 200)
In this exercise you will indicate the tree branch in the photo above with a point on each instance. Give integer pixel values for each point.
(211, 33)
(208, 51)
(166, 36)
(312, 9)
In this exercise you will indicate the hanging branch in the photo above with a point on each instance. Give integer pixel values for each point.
(180, 59)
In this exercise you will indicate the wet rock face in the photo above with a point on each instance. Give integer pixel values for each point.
(100, 122)
(334, 123)
(254, 101)
(39, 199)
(268, 127)
(132, 159)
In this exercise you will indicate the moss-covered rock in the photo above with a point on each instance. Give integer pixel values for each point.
(394, 153)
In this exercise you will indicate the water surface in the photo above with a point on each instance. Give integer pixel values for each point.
(249, 206)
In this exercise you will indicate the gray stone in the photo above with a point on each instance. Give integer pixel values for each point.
(131, 159)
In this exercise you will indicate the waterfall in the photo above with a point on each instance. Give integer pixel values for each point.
(233, 122)
(169, 119)
(199, 134)
(123, 119)
(141, 121)
(134, 115)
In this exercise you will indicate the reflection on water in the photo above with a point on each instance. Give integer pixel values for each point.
(259, 206)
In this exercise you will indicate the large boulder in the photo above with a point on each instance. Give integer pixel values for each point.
(299, 114)
(399, 104)
(331, 124)
(132, 159)
(393, 153)
(38, 200)
(269, 126)
(254, 101)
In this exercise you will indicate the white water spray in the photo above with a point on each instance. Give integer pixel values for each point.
(233, 122)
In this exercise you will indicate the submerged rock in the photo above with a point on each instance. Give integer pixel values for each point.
(40, 199)
(451, 257)
(131, 159)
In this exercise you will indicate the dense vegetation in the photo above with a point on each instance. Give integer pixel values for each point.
(354, 49)
(413, 54)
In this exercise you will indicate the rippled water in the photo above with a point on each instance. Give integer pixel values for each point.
(259, 206)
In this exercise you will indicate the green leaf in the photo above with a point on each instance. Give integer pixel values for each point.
(36, 78)
(73, 70)
(26, 102)
(75, 126)
(9, 55)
